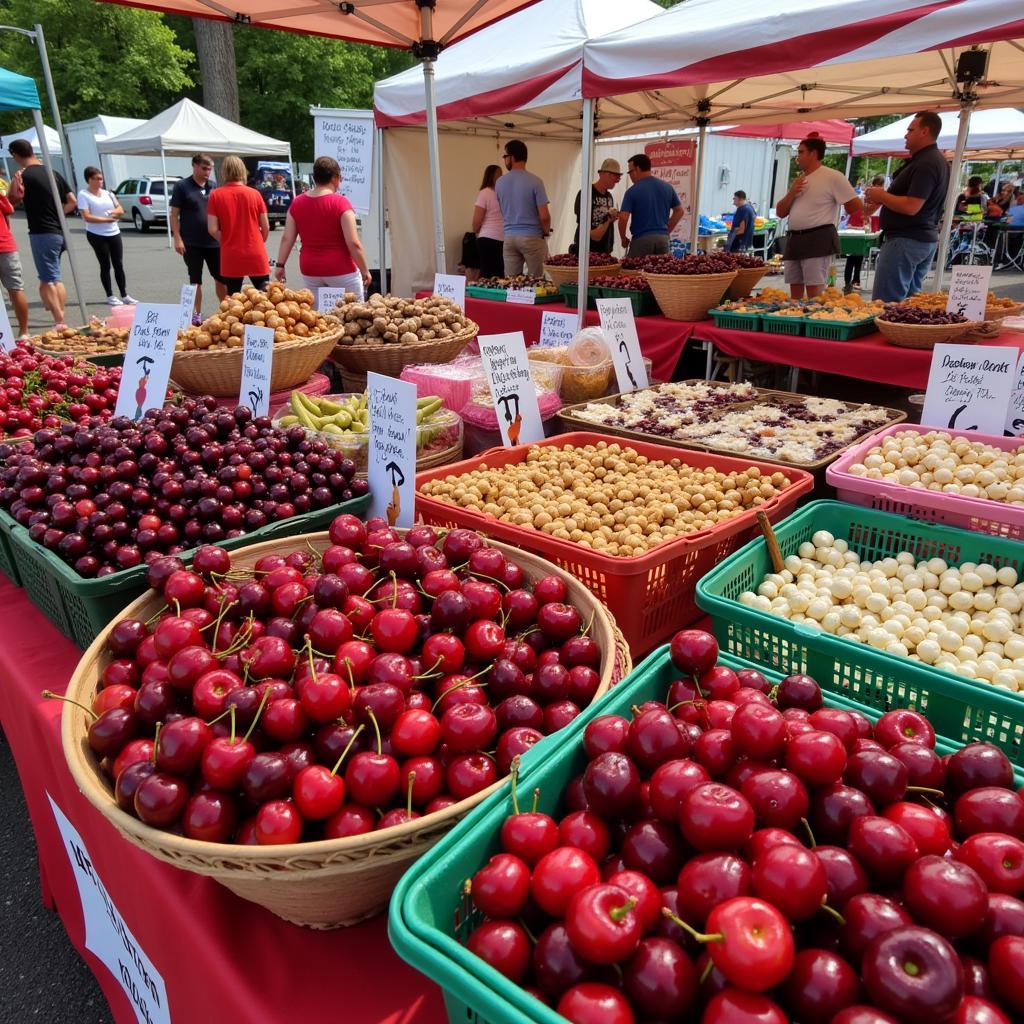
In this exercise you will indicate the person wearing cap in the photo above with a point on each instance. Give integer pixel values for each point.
(603, 213)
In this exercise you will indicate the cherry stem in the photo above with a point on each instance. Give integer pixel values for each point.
(156, 615)
(925, 790)
(589, 625)
(177, 606)
(684, 703)
(458, 686)
(705, 974)
(309, 650)
(432, 671)
(515, 778)
(50, 695)
(231, 708)
(810, 834)
(348, 747)
(529, 934)
(408, 795)
(689, 929)
(618, 913)
(834, 913)
(156, 741)
(259, 711)
(536, 798)
(376, 729)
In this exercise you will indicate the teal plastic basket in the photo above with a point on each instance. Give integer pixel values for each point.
(792, 325)
(960, 709)
(838, 330)
(81, 607)
(732, 321)
(644, 303)
(7, 564)
(430, 917)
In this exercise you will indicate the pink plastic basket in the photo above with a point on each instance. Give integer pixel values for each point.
(977, 514)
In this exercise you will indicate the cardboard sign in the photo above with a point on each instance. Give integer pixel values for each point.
(108, 937)
(1014, 426)
(147, 361)
(620, 328)
(7, 337)
(451, 286)
(391, 468)
(524, 296)
(188, 305)
(969, 387)
(350, 141)
(557, 329)
(257, 364)
(512, 388)
(968, 291)
(328, 298)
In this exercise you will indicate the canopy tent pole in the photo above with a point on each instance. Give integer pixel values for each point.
(291, 173)
(952, 190)
(849, 161)
(382, 248)
(888, 168)
(698, 174)
(54, 109)
(59, 200)
(428, 49)
(999, 174)
(586, 201)
(167, 197)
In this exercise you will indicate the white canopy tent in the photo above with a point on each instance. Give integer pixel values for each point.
(187, 127)
(996, 133)
(821, 57)
(32, 136)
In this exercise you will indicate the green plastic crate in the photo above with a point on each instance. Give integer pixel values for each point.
(569, 295)
(792, 325)
(644, 303)
(960, 709)
(7, 564)
(732, 321)
(476, 291)
(429, 917)
(81, 607)
(838, 330)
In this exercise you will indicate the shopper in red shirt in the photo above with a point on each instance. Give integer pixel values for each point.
(10, 267)
(331, 255)
(237, 218)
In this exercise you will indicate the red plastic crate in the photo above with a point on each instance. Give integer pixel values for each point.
(650, 595)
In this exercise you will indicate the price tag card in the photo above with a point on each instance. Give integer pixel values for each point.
(525, 296)
(620, 328)
(328, 298)
(188, 305)
(147, 361)
(257, 364)
(512, 388)
(1015, 411)
(969, 387)
(557, 329)
(7, 339)
(107, 935)
(391, 468)
(451, 286)
(968, 291)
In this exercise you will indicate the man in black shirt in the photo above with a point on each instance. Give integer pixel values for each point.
(911, 212)
(603, 213)
(30, 188)
(192, 240)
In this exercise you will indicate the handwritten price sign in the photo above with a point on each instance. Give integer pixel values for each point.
(147, 361)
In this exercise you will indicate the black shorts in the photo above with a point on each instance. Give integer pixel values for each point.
(196, 255)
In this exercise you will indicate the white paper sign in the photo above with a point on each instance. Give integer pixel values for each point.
(515, 396)
(451, 286)
(7, 338)
(188, 305)
(969, 387)
(526, 296)
(391, 463)
(328, 298)
(257, 364)
(1015, 411)
(108, 937)
(350, 141)
(147, 361)
(620, 329)
(557, 329)
(968, 291)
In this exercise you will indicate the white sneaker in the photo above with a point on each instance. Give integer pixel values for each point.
(113, 300)
(127, 300)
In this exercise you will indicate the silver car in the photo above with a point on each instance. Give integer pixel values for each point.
(145, 200)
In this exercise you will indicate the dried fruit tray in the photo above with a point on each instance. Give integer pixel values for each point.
(430, 917)
(959, 709)
(792, 325)
(978, 514)
(81, 607)
(650, 595)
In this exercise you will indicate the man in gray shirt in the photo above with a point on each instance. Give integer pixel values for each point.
(525, 212)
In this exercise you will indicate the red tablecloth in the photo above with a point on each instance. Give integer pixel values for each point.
(661, 340)
(220, 957)
(868, 358)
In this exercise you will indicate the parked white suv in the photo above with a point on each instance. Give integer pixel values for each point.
(145, 200)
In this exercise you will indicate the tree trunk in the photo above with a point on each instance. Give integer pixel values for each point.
(215, 48)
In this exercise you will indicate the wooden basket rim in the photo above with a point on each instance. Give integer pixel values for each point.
(292, 345)
(468, 333)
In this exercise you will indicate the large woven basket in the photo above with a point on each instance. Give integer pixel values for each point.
(570, 275)
(218, 372)
(689, 296)
(746, 278)
(392, 359)
(926, 335)
(323, 884)
(999, 312)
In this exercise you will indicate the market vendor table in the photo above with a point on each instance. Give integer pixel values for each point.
(182, 945)
(868, 358)
(661, 340)
(858, 243)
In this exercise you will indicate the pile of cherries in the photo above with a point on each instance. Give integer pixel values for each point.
(329, 696)
(738, 854)
(905, 313)
(624, 282)
(38, 390)
(694, 263)
(106, 496)
(568, 259)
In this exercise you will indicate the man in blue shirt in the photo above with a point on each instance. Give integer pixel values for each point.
(1015, 214)
(525, 212)
(653, 206)
(741, 233)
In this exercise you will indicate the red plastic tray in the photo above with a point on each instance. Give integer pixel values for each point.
(650, 595)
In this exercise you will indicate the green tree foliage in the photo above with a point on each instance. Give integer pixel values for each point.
(105, 59)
